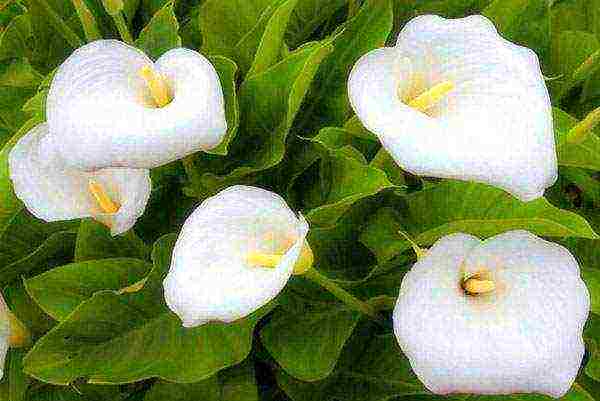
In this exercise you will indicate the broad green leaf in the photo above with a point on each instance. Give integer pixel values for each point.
(372, 368)
(525, 22)
(381, 234)
(591, 335)
(585, 154)
(268, 104)
(18, 82)
(471, 208)
(592, 281)
(233, 384)
(328, 104)
(94, 241)
(125, 337)
(25, 234)
(485, 211)
(576, 15)
(56, 31)
(308, 342)
(338, 252)
(205, 390)
(26, 310)
(227, 71)
(15, 39)
(59, 291)
(570, 50)
(225, 23)
(161, 33)
(261, 47)
(346, 179)
(384, 162)
(589, 186)
(55, 250)
(308, 16)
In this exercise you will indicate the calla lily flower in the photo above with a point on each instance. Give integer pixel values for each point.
(115, 196)
(12, 333)
(453, 99)
(234, 254)
(109, 105)
(500, 316)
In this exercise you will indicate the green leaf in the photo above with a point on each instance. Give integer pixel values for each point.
(125, 337)
(227, 71)
(15, 39)
(261, 48)
(161, 33)
(381, 234)
(268, 103)
(307, 343)
(347, 179)
(471, 208)
(225, 23)
(308, 16)
(372, 368)
(592, 281)
(25, 234)
(17, 380)
(369, 29)
(585, 154)
(234, 384)
(61, 290)
(525, 22)
(94, 241)
(18, 82)
(570, 50)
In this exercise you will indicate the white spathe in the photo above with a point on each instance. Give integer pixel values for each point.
(524, 336)
(52, 192)
(4, 333)
(494, 126)
(100, 110)
(210, 278)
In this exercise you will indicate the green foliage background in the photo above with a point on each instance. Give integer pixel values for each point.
(283, 65)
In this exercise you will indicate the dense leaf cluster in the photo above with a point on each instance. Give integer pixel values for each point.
(283, 65)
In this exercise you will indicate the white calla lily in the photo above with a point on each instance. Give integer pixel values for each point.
(12, 333)
(234, 254)
(453, 99)
(499, 316)
(109, 105)
(52, 192)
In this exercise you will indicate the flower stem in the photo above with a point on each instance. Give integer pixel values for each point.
(580, 131)
(342, 294)
(193, 174)
(122, 28)
(88, 22)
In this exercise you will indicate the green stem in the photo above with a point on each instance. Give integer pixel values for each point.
(122, 28)
(579, 132)
(90, 28)
(342, 294)
(60, 25)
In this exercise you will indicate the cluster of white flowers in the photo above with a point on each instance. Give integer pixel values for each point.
(452, 99)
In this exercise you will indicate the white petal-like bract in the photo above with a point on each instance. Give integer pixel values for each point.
(210, 278)
(4, 333)
(495, 124)
(52, 192)
(100, 113)
(523, 336)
